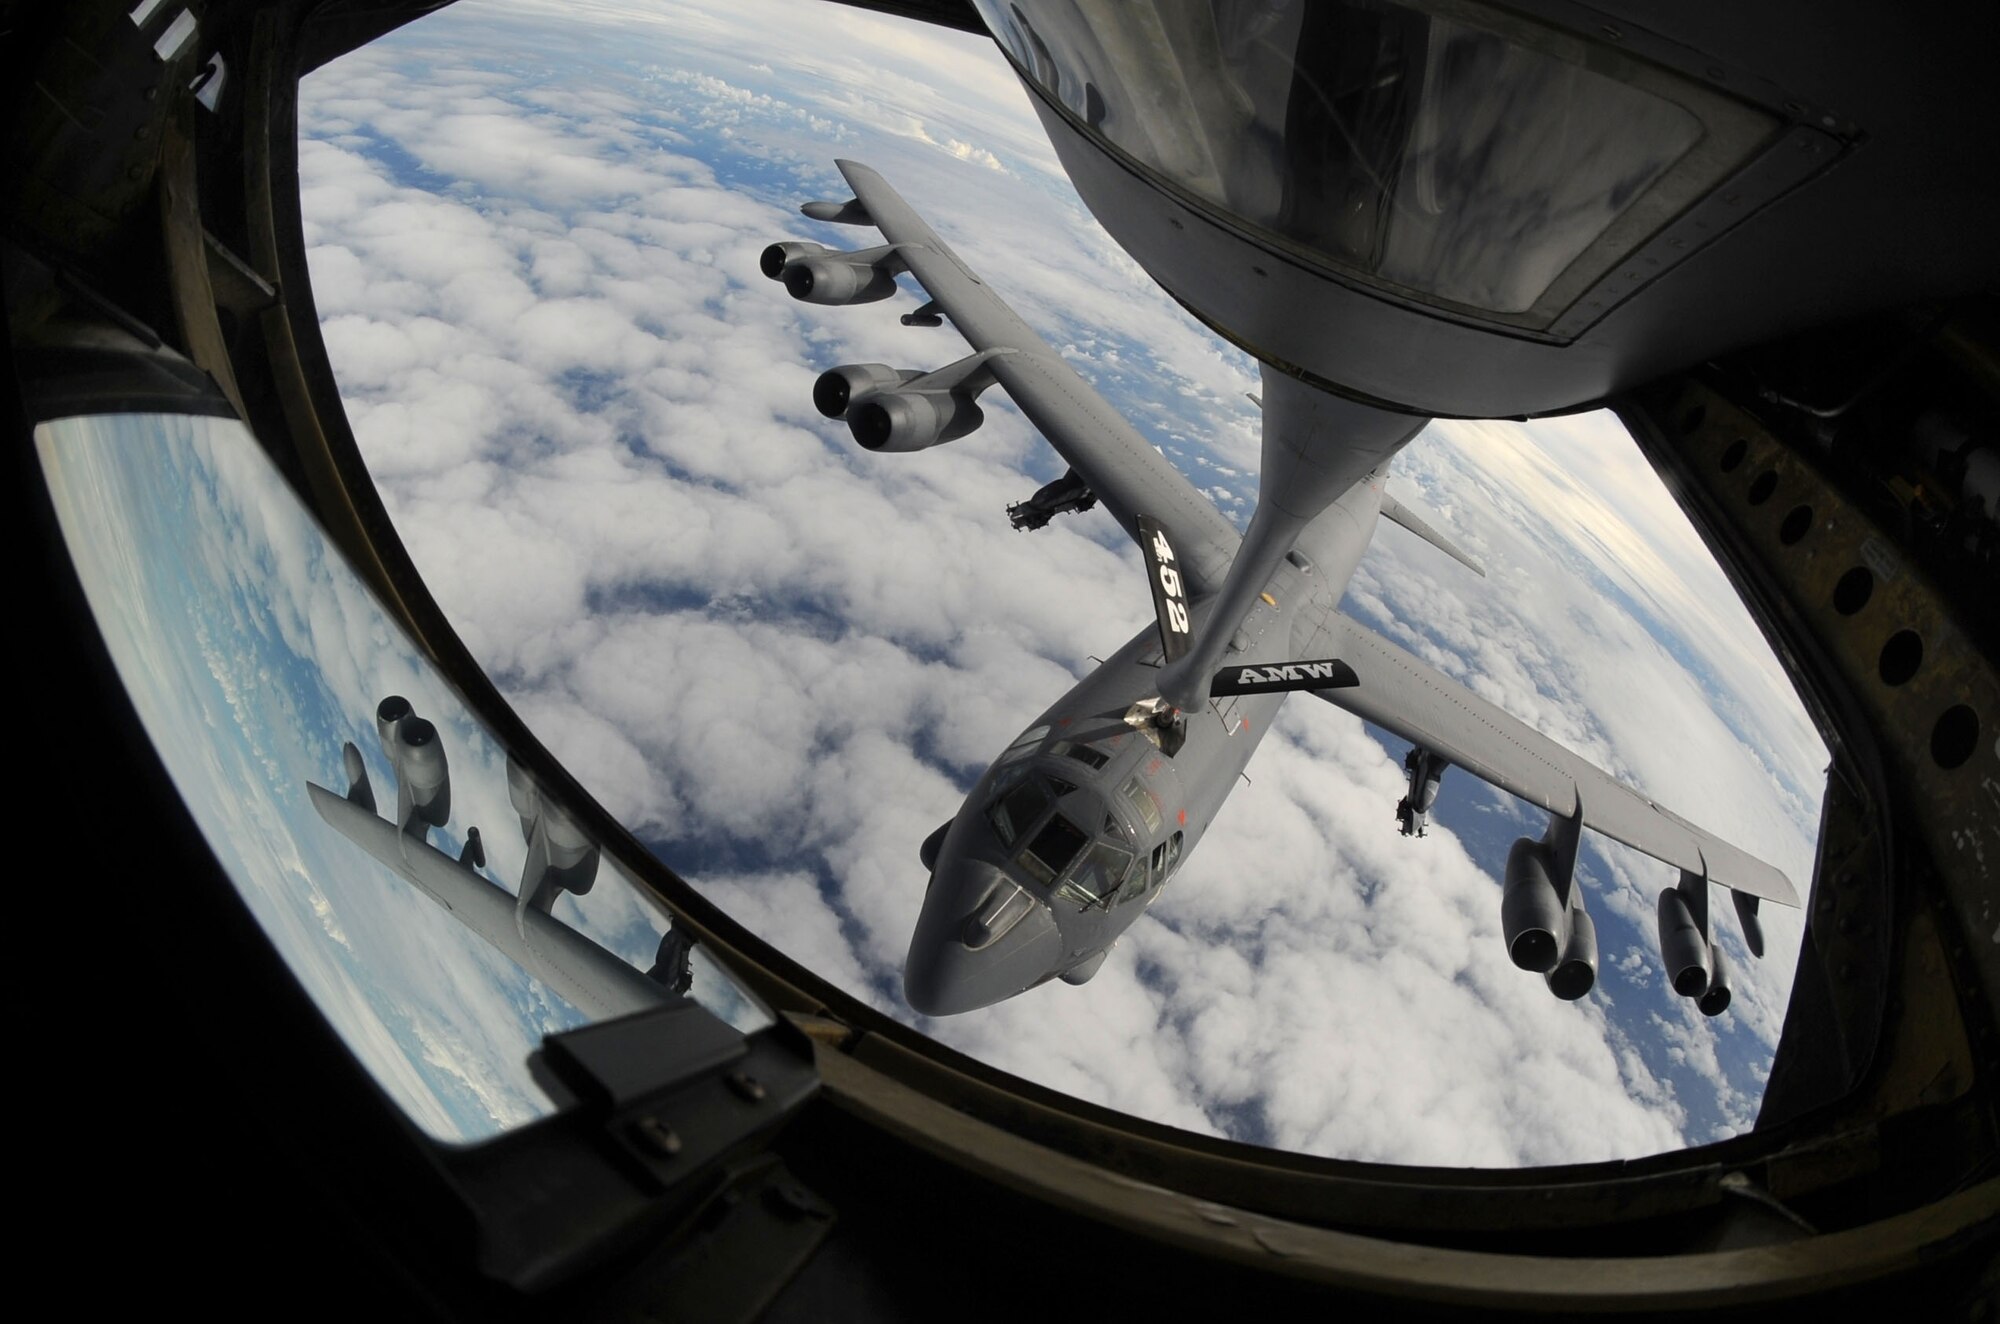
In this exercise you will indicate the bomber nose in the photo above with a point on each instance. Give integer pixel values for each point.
(980, 940)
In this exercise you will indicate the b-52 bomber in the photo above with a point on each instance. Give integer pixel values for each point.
(1080, 822)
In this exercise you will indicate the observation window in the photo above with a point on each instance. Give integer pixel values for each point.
(1143, 800)
(289, 709)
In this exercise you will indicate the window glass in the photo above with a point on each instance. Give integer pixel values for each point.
(1083, 754)
(288, 708)
(1145, 802)
(1053, 848)
(1025, 744)
(1135, 881)
(1099, 873)
(721, 660)
(1015, 810)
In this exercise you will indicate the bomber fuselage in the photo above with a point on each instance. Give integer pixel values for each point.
(1079, 824)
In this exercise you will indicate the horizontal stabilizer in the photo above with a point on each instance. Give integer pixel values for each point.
(1399, 513)
(1328, 674)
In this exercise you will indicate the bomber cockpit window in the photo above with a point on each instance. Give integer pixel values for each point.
(1135, 881)
(1025, 744)
(1098, 875)
(1053, 848)
(1084, 754)
(1016, 808)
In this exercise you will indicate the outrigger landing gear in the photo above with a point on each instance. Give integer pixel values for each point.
(1425, 770)
(1065, 494)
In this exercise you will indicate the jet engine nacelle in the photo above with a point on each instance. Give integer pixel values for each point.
(840, 389)
(773, 261)
(1715, 1000)
(1531, 912)
(525, 796)
(900, 421)
(387, 713)
(1576, 973)
(1683, 950)
(423, 780)
(837, 278)
(572, 856)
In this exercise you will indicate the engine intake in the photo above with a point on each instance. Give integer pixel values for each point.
(773, 261)
(839, 389)
(836, 279)
(387, 713)
(421, 774)
(1715, 1000)
(1576, 974)
(902, 421)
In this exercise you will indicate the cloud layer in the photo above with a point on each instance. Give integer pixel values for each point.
(781, 660)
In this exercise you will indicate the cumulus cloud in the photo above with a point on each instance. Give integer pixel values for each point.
(782, 660)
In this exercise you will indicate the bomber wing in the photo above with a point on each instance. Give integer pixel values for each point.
(577, 969)
(1401, 694)
(1122, 468)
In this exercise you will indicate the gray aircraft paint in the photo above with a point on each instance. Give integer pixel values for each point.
(989, 929)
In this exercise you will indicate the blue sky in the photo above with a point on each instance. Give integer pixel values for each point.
(533, 235)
